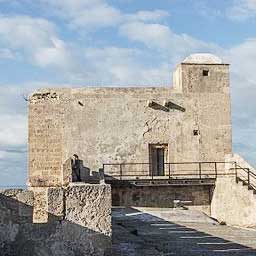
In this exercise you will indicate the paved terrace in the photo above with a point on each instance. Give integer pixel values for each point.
(162, 232)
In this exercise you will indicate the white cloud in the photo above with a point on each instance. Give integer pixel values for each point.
(101, 15)
(36, 39)
(243, 57)
(26, 32)
(123, 66)
(152, 35)
(206, 10)
(147, 16)
(161, 38)
(39, 42)
(242, 10)
(13, 130)
(243, 87)
(6, 54)
(92, 14)
(85, 13)
(57, 55)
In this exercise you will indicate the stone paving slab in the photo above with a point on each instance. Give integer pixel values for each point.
(139, 232)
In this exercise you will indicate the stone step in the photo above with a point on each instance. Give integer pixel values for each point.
(245, 183)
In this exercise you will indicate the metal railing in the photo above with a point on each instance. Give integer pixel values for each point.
(176, 170)
(245, 175)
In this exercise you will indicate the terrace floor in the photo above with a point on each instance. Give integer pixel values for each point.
(162, 232)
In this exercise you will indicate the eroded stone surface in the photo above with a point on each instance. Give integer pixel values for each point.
(56, 221)
(90, 206)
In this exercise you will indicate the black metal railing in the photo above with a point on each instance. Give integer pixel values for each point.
(176, 170)
(246, 176)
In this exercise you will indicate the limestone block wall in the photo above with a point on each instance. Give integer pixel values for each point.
(198, 197)
(188, 78)
(45, 139)
(89, 206)
(212, 114)
(110, 125)
(72, 221)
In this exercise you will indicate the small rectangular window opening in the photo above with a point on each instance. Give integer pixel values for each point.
(205, 72)
(196, 132)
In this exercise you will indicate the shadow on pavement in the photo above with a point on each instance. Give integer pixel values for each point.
(137, 233)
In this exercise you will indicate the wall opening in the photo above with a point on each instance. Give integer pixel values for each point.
(205, 72)
(158, 157)
(195, 132)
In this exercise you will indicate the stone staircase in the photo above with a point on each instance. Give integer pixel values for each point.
(245, 183)
(246, 176)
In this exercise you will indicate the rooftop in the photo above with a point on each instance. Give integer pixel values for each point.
(202, 58)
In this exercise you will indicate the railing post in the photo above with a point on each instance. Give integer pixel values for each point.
(236, 172)
(215, 166)
(248, 174)
(121, 172)
(200, 170)
(169, 170)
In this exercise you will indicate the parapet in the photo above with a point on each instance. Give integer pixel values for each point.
(56, 221)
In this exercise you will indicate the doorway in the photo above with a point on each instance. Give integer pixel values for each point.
(158, 156)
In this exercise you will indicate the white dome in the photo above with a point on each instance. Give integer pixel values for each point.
(202, 58)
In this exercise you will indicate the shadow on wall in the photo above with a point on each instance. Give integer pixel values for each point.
(146, 234)
(162, 196)
(19, 236)
(81, 173)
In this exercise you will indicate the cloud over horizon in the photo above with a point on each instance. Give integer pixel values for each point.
(96, 42)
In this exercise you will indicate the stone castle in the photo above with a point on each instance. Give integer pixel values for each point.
(90, 148)
(190, 121)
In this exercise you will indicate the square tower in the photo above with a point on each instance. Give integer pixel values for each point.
(201, 73)
(204, 79)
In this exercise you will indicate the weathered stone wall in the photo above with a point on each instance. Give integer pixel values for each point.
(188, 78)
(232, 202)
(45, 139)
(89, 206)
(72, 221)
(109, 125)
(197, 197)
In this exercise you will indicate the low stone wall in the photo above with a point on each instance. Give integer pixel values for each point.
(72, 221)
(232, 202)
(163, 196)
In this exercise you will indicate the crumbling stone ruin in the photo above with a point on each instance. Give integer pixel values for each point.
(90, 148)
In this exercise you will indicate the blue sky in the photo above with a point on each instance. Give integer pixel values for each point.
(45, 43)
